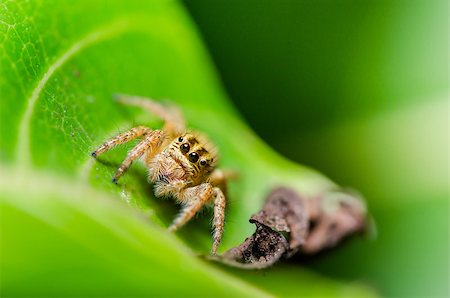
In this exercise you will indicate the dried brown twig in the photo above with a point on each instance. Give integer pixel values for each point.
(288, 224)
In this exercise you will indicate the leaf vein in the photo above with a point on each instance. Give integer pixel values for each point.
(109, 31)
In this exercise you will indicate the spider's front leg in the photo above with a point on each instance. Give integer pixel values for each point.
(193, 198)
(122, 138)
(151, 141)
(149, 144)
(219, 217)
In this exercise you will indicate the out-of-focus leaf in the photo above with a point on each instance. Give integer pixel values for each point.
(61, 237)
(360, 91)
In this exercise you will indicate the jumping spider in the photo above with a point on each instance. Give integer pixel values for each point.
(181, 164)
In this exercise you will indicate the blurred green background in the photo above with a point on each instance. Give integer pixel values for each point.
(358, 90)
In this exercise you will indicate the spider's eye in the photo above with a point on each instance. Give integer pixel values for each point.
(180, 139)
(185, 148)
(203, 162)
(193, 157)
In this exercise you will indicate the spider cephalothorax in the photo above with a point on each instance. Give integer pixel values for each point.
(181, 164)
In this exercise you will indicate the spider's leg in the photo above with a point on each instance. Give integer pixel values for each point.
(174, 121)
(125, 137)
(149, 144)
(219, 217)
(220, 177)
(195, 197)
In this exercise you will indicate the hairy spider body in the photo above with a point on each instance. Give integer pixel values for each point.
(181, 164)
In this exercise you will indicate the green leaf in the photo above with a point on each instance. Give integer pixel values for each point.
(103, 248)
(66, 230)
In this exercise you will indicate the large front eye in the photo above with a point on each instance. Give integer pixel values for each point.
(185, 148)
(193, 157)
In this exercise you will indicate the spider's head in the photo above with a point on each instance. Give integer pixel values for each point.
(197, 151)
